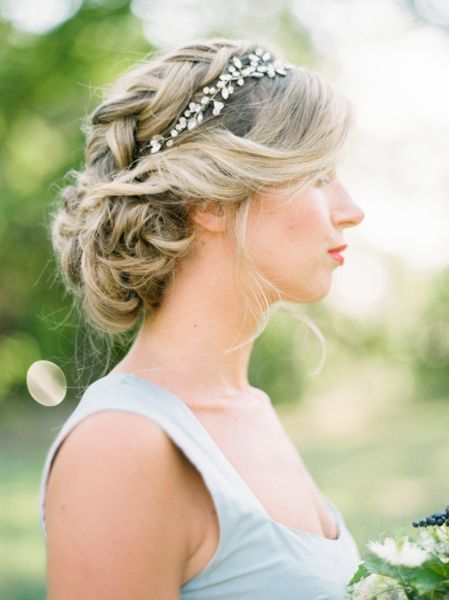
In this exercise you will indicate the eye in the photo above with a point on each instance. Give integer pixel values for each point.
(324, 180)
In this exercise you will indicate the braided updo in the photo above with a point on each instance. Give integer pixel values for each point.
(120, 229)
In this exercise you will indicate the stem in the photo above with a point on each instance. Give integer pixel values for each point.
(445, 531)
(392, 589)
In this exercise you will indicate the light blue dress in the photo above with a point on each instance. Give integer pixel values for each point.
(257, 558)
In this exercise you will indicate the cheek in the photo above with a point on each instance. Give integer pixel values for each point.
(293, 239)
(306, 231)
(305, 275)
(289, 248)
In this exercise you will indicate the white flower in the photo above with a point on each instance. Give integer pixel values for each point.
(374, 585)
(435, 542)
(399, 553)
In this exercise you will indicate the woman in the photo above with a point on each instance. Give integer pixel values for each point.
(209, 196)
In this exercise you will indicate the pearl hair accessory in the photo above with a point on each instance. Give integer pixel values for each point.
(257, 65)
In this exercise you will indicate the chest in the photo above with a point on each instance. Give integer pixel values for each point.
(259, 450)
(264, 457)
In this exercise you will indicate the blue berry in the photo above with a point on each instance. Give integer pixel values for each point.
(437, 518)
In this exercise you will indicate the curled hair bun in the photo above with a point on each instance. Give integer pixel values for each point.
(123, 224)
(117, 253)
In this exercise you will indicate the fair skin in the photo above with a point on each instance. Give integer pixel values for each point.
(181, 349)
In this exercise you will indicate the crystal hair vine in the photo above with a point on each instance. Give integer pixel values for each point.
(259, 65)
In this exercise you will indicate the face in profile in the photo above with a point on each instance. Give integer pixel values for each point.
(289, 238)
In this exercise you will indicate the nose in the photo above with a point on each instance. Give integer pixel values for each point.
(346, 212)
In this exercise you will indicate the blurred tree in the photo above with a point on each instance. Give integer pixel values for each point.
(47, 81)
(429, 342)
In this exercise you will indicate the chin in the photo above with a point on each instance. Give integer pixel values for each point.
(311, 294)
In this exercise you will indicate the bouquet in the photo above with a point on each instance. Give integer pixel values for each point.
(406, 567)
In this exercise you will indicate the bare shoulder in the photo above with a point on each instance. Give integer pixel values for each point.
(116, 516)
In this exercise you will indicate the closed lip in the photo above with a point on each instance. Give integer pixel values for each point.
(339, 248)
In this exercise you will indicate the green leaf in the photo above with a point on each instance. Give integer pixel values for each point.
(361, 573)
(437, 565)
(425, 580)
(374, 564)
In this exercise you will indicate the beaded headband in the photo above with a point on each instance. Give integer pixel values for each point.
(256, 64)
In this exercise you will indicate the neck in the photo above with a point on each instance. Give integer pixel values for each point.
(183, 345)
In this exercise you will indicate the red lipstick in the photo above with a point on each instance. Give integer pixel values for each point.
(335, 253)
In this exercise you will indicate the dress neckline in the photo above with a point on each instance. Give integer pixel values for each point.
(143, 381)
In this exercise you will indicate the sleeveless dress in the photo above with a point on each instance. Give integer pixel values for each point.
(257, 558)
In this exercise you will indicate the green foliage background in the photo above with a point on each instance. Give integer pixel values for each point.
(382, 455)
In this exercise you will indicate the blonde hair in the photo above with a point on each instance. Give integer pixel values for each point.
(121, 227)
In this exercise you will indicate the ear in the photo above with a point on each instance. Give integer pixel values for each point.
(210, 216)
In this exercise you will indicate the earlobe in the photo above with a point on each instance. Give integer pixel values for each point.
(212, 217)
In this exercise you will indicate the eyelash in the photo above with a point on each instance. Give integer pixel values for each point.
(325, 178)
